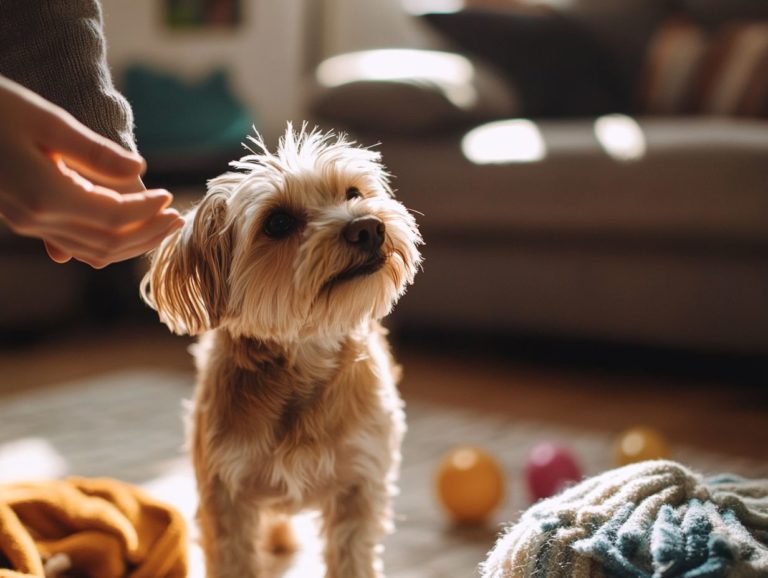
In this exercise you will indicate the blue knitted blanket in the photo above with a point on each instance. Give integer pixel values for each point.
(649, 520)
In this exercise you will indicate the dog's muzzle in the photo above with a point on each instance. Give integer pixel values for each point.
(366, 235)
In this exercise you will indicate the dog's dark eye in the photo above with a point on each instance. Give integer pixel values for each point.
(353, 193)
(280, 224)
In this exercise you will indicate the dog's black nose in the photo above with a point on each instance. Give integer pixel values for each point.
(366, 233)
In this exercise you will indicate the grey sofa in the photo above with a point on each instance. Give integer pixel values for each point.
(660, 242)
(667, 249)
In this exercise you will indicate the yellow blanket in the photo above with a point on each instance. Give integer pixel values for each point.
(95, 528)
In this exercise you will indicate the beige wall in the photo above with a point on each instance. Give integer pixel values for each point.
(360, 24)
(270, 55)
(265, 55)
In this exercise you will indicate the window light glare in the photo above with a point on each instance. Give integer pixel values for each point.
(395, 64)
(507, 141)
(424, 6)
(621, 137)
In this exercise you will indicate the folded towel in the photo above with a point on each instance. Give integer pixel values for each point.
(95, 528)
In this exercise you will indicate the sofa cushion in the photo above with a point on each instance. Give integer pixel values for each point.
(623, 26)
(620, 26)
(408, 91)
(558, 69)
(674, 55)
(691, 70)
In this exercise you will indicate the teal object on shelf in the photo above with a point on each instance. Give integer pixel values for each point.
(180, 120)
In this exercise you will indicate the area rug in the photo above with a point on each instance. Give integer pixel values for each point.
(128, 425)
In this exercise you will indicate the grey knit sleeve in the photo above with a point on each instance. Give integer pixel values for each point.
(57, 49)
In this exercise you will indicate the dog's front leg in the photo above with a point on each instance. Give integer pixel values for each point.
(229, 533)
(355, 520)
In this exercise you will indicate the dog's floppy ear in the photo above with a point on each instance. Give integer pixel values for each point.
(187, 281)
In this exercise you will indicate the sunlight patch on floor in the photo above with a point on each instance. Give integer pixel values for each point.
(30, 459)
(177, 488)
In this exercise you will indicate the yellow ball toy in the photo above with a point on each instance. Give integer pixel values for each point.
(639, 444)
(470, 484)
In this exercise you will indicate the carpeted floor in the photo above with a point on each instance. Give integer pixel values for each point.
(128, 425)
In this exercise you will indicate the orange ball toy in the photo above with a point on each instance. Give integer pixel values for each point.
(470, 484)
(639, 444)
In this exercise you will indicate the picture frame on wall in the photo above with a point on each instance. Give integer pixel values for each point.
(202, 14)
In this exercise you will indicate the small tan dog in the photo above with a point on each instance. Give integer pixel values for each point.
(284, 268)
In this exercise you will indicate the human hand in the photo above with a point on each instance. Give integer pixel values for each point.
(49, 167)
(58, 254)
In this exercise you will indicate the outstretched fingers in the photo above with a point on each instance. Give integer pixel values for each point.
(100, 248)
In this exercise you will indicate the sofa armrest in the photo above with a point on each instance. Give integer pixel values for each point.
(405, 91)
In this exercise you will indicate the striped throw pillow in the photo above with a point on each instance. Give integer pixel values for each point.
(690, 70)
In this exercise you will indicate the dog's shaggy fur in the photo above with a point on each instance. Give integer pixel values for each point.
(284, 269)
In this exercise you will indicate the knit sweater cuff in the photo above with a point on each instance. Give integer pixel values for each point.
(57, 49)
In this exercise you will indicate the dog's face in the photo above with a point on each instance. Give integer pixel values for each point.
(307, 241)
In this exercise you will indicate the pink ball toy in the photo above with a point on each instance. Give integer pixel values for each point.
(548, 469)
